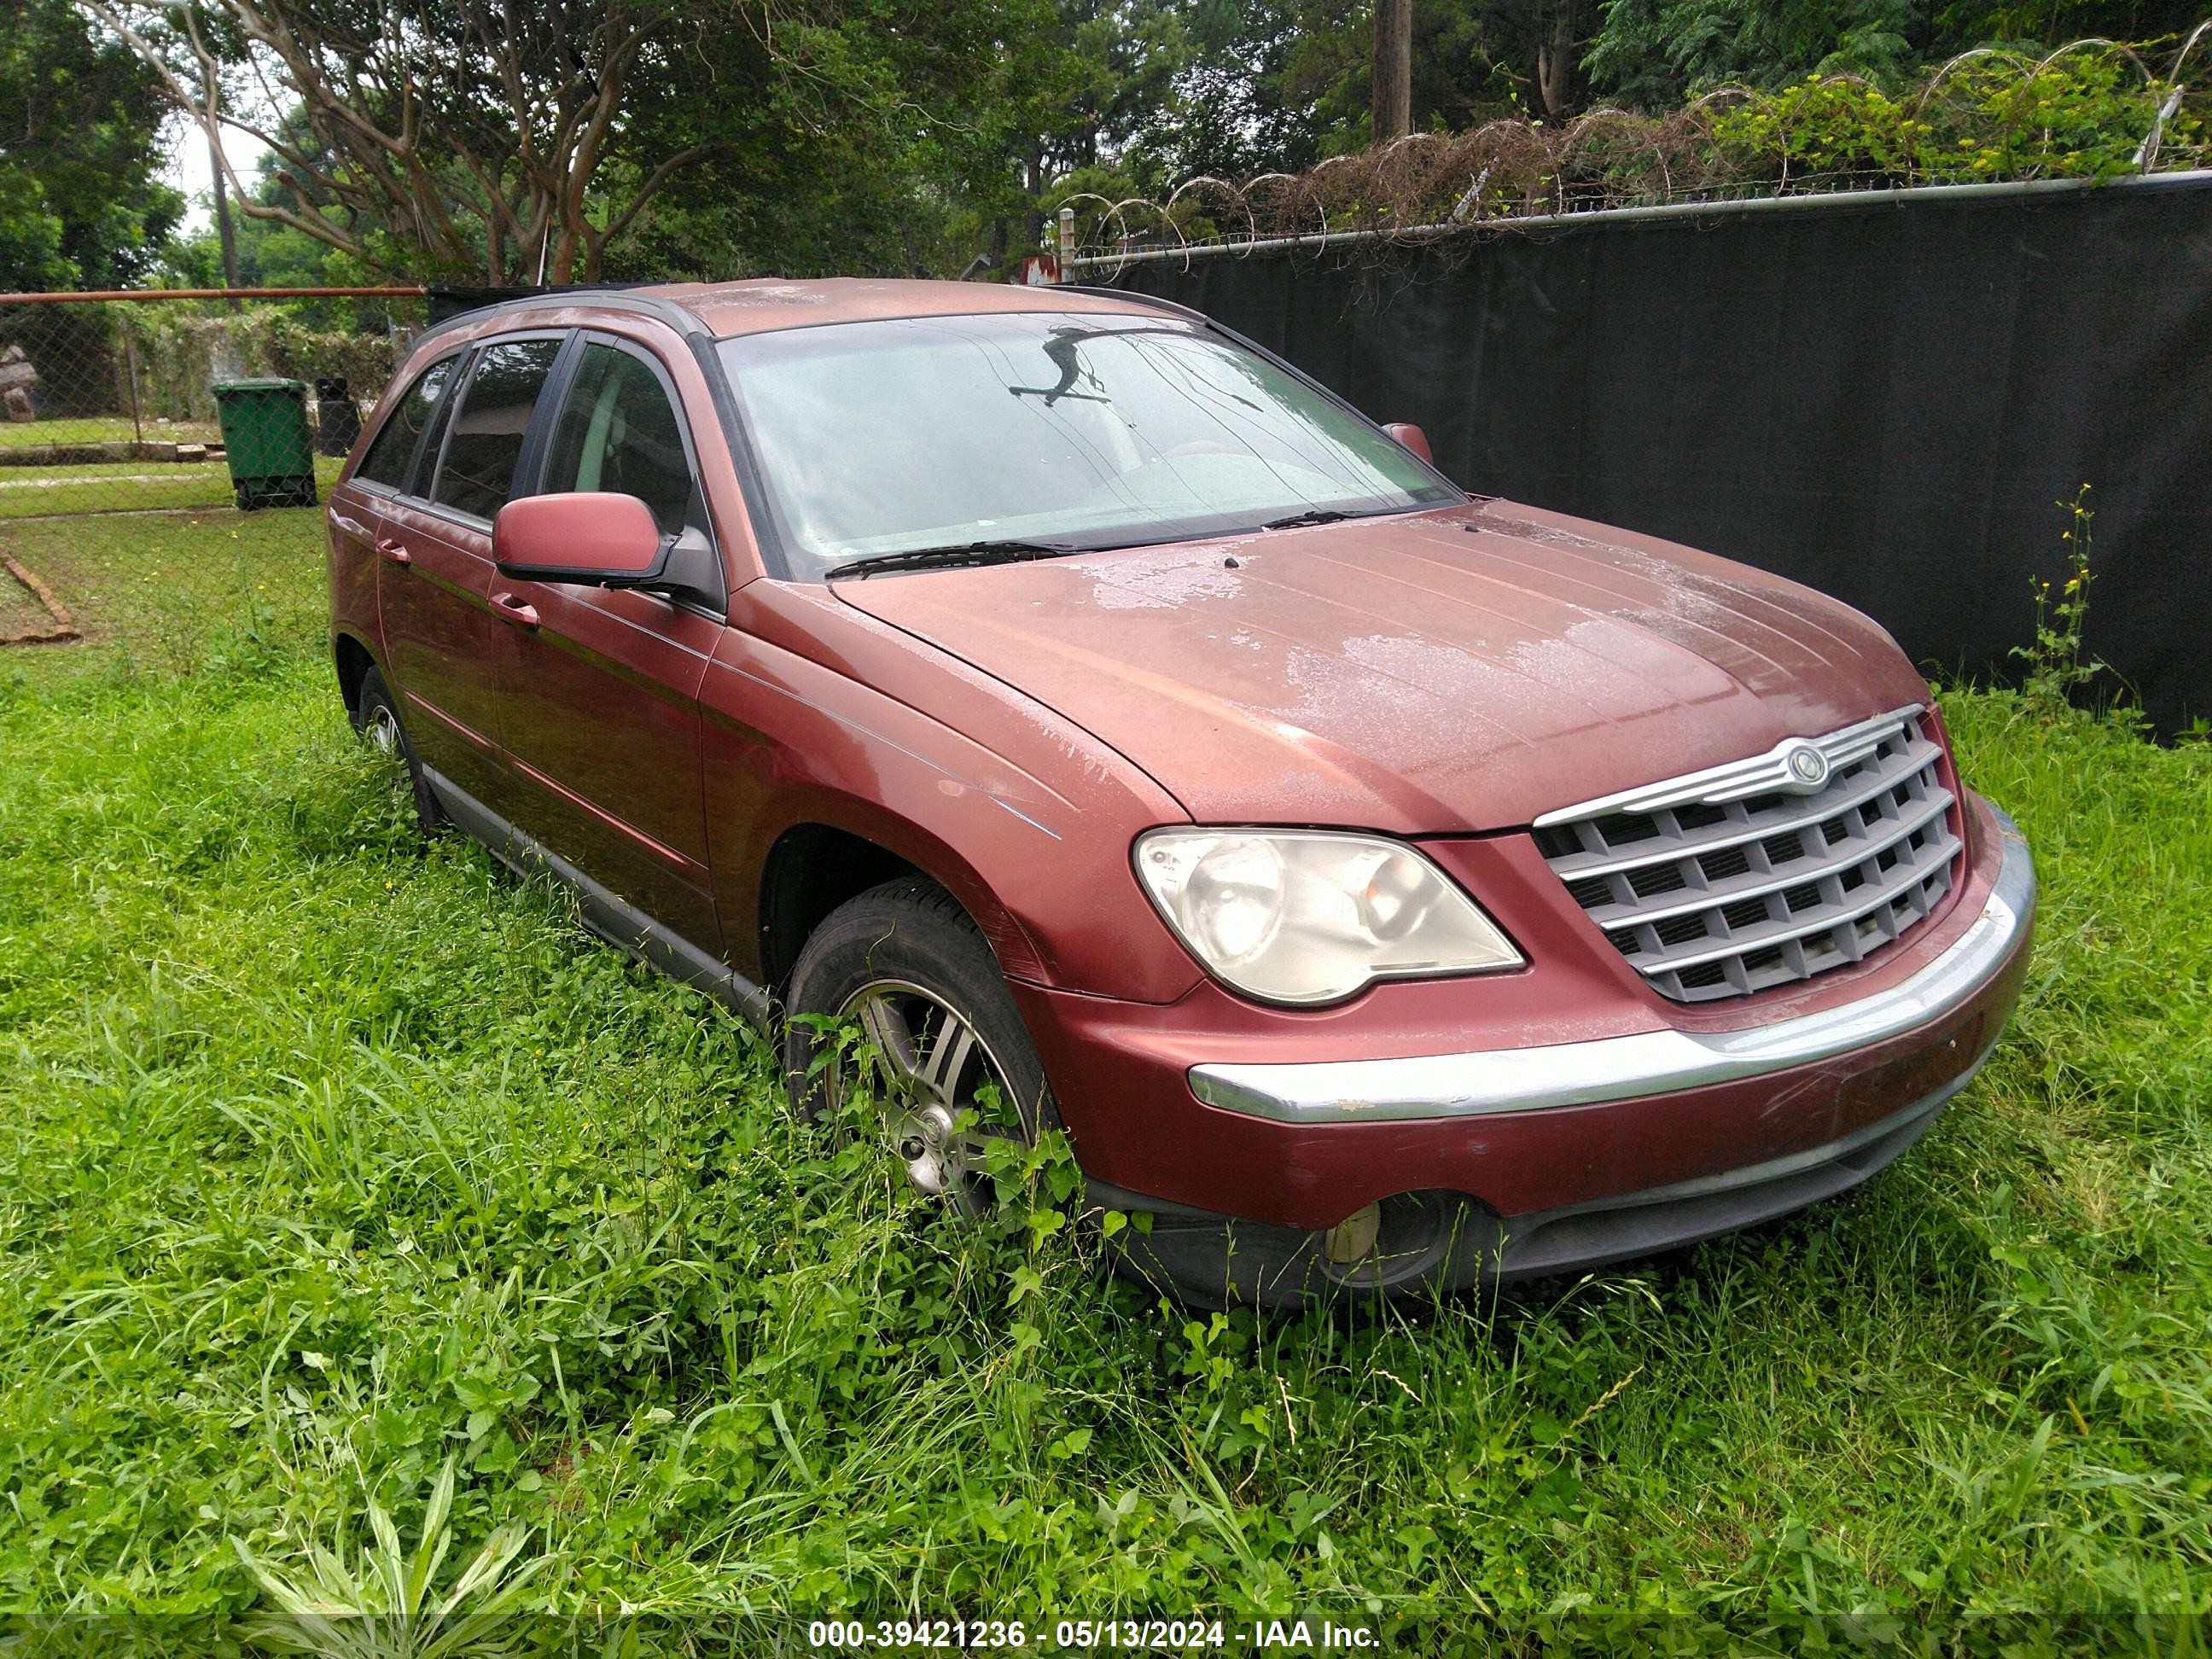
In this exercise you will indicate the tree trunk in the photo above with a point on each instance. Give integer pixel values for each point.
(224, 234)
(1555, 57)
(564, 268)
(1392, 108)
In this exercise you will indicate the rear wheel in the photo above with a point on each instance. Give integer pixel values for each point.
(942, 1053)
(376, 718)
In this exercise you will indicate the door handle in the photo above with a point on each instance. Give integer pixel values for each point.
(388, 549)
(518, 611)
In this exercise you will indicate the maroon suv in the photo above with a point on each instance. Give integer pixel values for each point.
(1382, 885)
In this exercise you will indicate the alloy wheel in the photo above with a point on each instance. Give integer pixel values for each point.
(381, 732)
(941, 1092)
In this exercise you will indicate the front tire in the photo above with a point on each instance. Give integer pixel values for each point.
(376, 719)
(948, 1061)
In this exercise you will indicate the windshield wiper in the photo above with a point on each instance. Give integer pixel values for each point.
(962, 553)
(1311, 515)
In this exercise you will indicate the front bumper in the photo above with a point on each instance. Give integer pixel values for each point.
(1583, 1235)
(1655, 1135)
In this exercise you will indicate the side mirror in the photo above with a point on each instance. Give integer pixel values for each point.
(1412, 437)
(594, 537)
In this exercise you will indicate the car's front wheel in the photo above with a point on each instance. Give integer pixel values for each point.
(941, 1050)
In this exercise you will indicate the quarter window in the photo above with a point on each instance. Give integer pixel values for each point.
(476, 475)
(388, 455)
(618, 432)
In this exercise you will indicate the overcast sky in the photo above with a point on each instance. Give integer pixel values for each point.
(189, 171)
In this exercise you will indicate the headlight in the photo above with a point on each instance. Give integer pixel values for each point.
(1306, 916)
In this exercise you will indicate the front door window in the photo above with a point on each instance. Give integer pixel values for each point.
(618, 432)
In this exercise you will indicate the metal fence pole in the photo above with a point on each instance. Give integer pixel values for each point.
(131, 360)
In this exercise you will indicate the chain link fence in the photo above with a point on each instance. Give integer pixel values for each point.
(117, 453)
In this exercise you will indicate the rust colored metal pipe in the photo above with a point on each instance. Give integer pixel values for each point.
(115, 294)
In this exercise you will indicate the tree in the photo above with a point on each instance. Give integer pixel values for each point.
(1242, 103)
(1653, 54)
(901, 146)
(443, 136)
(513, 142)
(1084, 82)
(2052, 23)
(1275, 85)
(80, 130)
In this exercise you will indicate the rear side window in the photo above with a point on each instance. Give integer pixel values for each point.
(618, 432)
(386, 461)
(476, 474)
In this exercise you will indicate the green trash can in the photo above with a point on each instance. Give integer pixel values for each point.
(266, 439)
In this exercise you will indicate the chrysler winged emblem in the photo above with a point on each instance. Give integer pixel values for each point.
(1808, 768)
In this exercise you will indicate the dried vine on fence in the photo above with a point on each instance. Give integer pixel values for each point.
(2091, 109)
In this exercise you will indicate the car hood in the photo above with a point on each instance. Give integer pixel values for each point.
(1464, 669)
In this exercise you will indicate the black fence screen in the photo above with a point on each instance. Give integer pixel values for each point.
(1885, 401)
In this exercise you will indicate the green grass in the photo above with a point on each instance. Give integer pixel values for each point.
(96, 487)
(326, 1158)
(163, 595)
(44, 476)
(20, 610)
(103, 429)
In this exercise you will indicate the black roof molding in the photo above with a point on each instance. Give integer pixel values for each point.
(614, 296)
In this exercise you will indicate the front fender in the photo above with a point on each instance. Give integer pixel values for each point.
(809, 805)
(1025, 819)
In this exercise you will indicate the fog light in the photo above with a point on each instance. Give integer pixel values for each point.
(1353, 1238)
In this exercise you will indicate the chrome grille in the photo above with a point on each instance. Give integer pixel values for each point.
(1812, 856)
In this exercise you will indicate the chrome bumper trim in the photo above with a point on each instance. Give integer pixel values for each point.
(1647, 1063)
